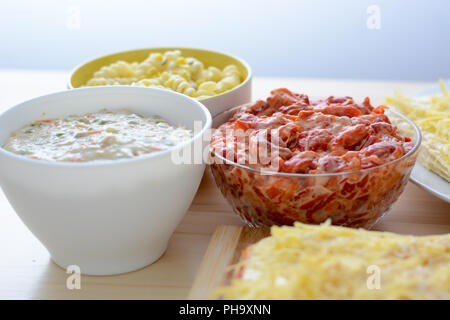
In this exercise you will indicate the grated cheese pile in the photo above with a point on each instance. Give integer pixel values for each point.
(432, 115)
(329, 262)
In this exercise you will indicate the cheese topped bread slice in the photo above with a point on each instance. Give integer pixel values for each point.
(329, 262)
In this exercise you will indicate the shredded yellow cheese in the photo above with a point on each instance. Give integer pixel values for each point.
(432, 115)
(329, 262)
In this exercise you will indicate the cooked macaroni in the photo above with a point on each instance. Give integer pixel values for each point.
(170, 70)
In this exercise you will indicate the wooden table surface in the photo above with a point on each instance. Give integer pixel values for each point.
(26, 271)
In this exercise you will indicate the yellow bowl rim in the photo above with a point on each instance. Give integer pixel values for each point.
(242, 61)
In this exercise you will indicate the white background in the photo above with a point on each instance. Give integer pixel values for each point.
(289, 38)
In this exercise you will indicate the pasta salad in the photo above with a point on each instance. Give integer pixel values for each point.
(170, 70)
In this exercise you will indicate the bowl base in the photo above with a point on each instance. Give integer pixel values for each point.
(102, 268)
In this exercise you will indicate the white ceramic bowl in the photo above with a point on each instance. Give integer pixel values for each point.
(106, 217)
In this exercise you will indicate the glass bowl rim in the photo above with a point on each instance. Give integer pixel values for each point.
(331, 174)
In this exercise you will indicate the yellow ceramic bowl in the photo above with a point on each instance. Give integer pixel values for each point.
(216, 104)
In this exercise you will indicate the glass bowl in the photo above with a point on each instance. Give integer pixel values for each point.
(352, 199)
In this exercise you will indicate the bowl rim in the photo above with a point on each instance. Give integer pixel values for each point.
(242, 61)
(108, 162)
(331, 174)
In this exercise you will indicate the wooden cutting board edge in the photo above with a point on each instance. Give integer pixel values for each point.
(224, 249)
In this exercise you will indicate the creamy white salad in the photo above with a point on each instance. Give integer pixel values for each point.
(105, 135)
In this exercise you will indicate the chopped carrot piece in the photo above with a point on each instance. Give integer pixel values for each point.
(289, 116)
(380, 109)
(240, 125)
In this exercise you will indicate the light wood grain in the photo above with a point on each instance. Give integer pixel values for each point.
(218, 256)
(226, 244)
(27, 272)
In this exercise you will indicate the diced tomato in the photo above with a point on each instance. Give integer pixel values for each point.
(340, 111)
(330, 163)
(380, 149)
(315, 140)
(301, 162)
(382, 128)
(352, 136)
